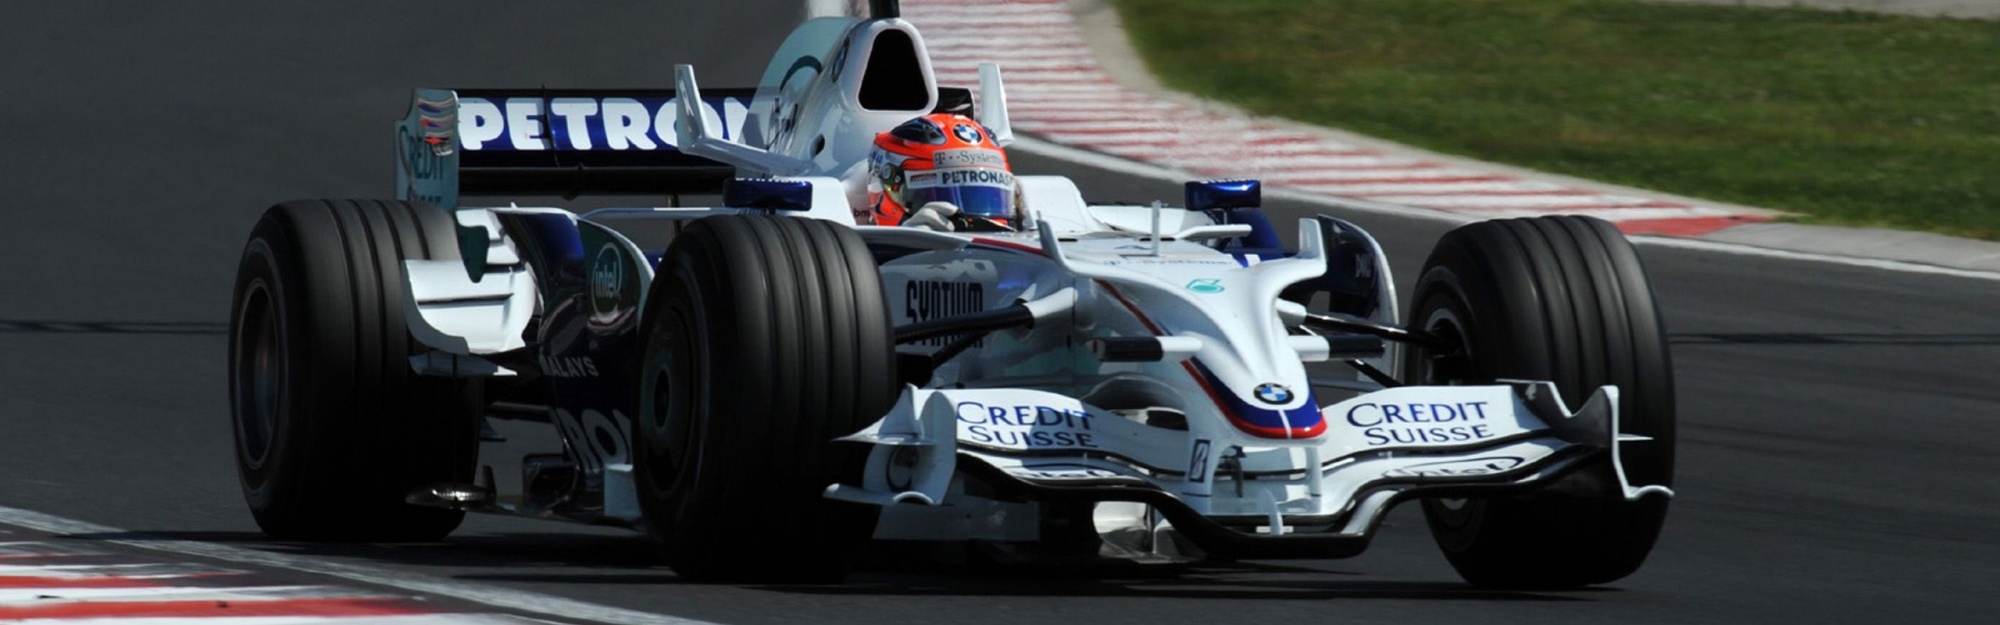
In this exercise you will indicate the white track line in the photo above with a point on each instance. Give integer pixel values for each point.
(148, 571)
(1478, 202)
(986, 12)
(411, 619)
(23, 551)
(1009, 60)
(179, 593)
(1420, 185)
(499, 597)
(1322, 176)
(1014, 65)
(1373, 166)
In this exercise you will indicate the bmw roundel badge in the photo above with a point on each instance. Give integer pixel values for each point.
(965, 133)
(1274, 393)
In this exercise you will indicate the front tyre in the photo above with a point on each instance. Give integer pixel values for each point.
(764, 339)
(1563, 299)
(332, 428)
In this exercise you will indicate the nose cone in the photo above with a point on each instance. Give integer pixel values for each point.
(1267, 410)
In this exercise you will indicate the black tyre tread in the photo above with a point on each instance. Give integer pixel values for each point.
(795, 311)
(1651, 389)
(364, 430)
(1589, 321)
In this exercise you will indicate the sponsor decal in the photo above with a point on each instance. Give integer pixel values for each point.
(438, 119)
(598, 439)
(1420, 423)
(419, 157)
(1198, 461)
(882, 164)
(584, 123)
(978, 176)
(969, 158)
(1467, 467)
(1025, 426)
(924, 300)
(965, 132)
(1061, 474)
(1205, 285)
(607, 281)
(569, 367)
(1273, 393)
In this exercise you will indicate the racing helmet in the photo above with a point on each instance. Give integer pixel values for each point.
(941, 157)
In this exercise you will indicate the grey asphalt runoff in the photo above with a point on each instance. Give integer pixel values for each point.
(1838, 423)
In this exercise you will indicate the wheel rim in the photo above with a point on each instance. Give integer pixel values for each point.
(1448, 368)
(1438, 368)
(259, 375)
(671, 412)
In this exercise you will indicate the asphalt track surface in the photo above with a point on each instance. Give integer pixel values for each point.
(1838, 424)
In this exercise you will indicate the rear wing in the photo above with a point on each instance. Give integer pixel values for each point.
(567, 142)
(526, 142)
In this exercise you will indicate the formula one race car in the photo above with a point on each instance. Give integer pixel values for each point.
(778, 385)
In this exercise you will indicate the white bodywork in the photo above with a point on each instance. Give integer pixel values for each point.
(1038, 404)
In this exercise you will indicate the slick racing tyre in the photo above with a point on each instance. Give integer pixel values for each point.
(332, 428)
(1562, 299)
(764, 339)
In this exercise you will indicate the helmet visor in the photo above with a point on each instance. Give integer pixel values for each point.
(976, 191)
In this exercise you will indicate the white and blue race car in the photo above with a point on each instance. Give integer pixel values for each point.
(778, 386)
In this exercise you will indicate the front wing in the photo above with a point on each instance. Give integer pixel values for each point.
(1321, 497)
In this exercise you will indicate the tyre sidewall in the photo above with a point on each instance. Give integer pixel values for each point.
(1510, 285)
(261, 270)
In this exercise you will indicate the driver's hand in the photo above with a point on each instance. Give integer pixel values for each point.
(935, 216)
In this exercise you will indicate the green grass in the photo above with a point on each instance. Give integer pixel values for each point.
(1849, 118)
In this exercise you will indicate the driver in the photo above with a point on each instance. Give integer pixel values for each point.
(940, 171)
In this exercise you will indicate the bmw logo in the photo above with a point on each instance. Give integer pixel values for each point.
(966, 133)
(1274, 393)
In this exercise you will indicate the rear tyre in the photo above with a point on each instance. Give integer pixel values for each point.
(1562, 299)
(332, 429)
(765, 338)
